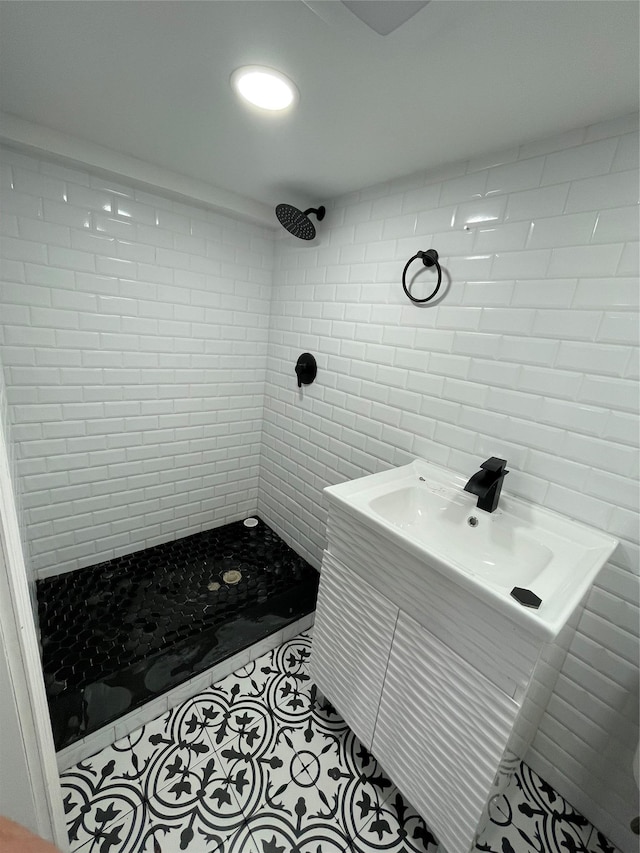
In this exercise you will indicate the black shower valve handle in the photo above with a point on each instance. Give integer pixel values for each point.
(306, 369)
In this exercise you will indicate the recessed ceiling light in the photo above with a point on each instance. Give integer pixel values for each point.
(264, 87)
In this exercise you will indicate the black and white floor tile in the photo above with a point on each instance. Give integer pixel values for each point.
(261, 763)
(533, 818)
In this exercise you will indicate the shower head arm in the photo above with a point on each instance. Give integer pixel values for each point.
(319, 212)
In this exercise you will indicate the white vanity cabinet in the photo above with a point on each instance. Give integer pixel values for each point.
(441, 687)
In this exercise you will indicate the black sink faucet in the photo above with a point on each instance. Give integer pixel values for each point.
(487, 483)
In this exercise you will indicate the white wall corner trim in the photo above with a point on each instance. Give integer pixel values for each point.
(19, 642)
(40, 140)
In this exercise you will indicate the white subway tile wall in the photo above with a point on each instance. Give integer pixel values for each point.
(530, 353)
(5, 423)
(10, 446)
(134, 339)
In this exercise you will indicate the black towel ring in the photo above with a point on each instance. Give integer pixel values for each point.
(429, 259)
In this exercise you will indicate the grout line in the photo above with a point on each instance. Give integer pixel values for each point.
(386, 669)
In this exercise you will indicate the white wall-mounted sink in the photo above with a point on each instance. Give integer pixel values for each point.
(423, 509)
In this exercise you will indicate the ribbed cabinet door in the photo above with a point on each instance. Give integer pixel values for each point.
(441, 732)
(352, 637)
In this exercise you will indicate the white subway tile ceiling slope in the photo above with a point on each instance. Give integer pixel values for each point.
(531, 354)
(141, 339)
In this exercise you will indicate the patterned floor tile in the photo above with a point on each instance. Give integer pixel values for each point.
(281, 678)
(262, 763)
(198, 811)
(109, 826)
(599, 844)
(392, 826)
(317, 735)
(283, 822)
(253, 771)
(261, 704)
(122, 777)
(153, 835)
(532, 817)
(356, 793)
(288, 735)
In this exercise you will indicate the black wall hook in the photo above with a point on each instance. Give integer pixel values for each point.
(306, 369)
(429, 259)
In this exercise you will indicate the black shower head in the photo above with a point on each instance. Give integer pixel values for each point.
(297, 222)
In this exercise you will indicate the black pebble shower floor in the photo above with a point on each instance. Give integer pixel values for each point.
(118, 634)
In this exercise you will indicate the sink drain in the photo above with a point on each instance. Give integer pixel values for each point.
(472, 521)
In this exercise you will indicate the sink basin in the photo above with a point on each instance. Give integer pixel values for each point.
(501, 553)
(423, 509)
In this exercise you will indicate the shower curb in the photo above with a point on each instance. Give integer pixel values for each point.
(82, 749)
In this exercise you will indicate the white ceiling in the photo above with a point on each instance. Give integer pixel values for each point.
(150, 80)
